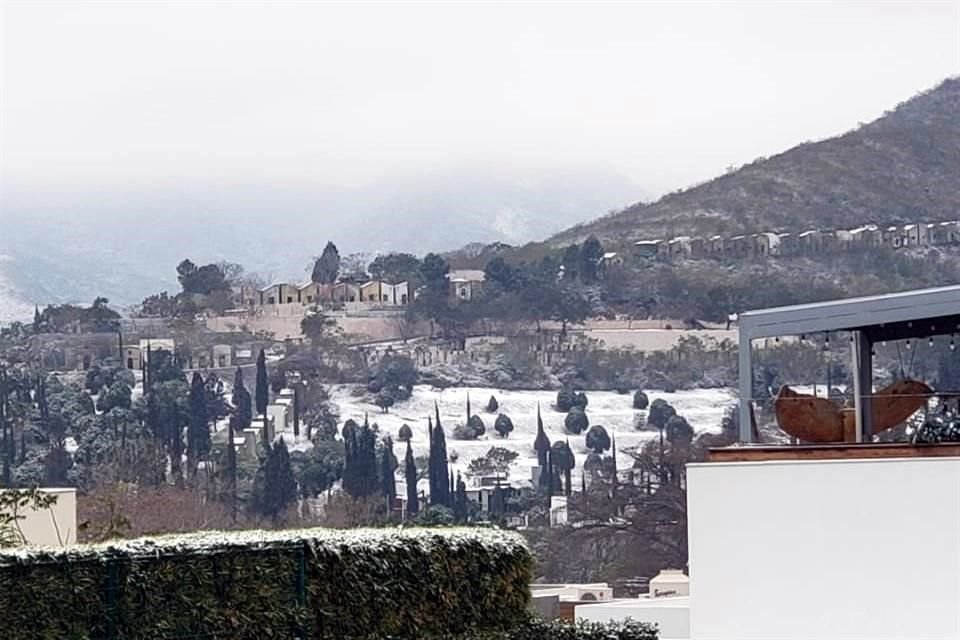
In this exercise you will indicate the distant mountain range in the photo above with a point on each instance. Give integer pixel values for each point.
(125, 245)
(903, 167)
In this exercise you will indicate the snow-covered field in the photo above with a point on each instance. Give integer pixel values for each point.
(703, 409)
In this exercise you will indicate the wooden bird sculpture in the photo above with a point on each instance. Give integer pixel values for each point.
(820, 420)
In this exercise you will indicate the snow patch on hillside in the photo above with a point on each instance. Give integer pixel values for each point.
(703, 409)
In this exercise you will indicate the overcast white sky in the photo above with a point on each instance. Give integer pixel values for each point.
(136, 94)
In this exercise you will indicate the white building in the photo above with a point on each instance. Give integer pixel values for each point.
(667, 604)
(465, 284)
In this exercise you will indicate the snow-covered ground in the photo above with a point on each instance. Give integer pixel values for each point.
(703, 409)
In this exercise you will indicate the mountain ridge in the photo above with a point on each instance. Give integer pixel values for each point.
(902, 167)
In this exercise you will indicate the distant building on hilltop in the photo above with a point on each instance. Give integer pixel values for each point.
(465, 283)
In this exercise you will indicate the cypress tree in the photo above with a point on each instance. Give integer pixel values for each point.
(296, 410)
(367, 450)
(36, 318)
(469, 413)
(388, 471)
(277, 488)
(242, 403)
(410, 474)
(147, 374)
(542, 443)
(613, 454)
(198, 433)
(350, 473)
(361, 469)
(431, 461)
(460, 500)
(7, 438)
(442, 496)
(232, 425)
(263, 385)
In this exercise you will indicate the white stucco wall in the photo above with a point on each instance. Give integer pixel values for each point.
(53, 527)
(832, 550)
(671, 615)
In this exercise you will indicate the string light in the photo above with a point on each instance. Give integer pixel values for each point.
(953, 347)
(930, 342)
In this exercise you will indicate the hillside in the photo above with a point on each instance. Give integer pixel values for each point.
(902, 167)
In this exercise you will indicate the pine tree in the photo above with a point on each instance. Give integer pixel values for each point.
(327, 266)
(410, 475)
(198, 431)
(542, 443)
(263, 385)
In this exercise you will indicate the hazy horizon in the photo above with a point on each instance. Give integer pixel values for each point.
(144, 96)
(135, 134)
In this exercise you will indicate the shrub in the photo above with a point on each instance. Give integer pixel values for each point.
(576, 421)
(405, 433)
(314, 583)
(580, 400)
(470, 431)
(660, 412)
(598, 440)
(476, 423)
(566, 399)
(503, 425)
(537, 629)
(492, 405)
(640, 400)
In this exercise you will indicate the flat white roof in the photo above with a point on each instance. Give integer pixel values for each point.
(851, 313)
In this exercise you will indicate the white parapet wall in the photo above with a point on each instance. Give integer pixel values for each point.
(832, 550)
(671, 615)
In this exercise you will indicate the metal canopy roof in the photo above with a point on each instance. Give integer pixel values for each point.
(918, 313)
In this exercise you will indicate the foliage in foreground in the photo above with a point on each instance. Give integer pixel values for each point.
(314, 583)
(536, 629)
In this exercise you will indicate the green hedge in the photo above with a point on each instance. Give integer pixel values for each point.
(536, 629)
(313, 583)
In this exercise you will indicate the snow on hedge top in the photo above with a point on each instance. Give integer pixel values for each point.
(204, 542)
